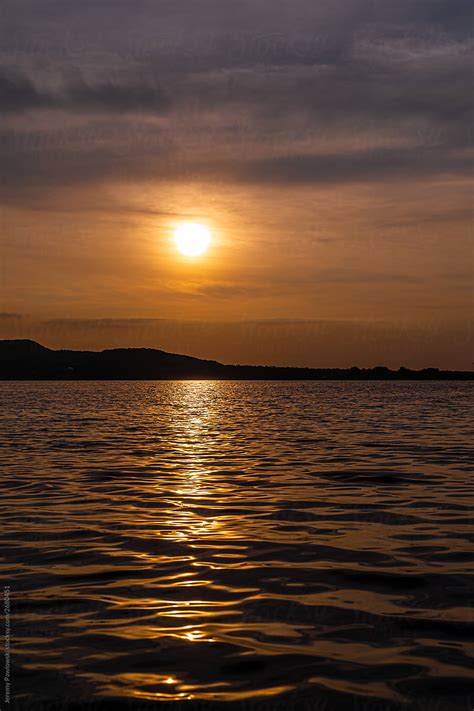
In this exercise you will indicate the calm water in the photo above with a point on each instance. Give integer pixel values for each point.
(250, 545)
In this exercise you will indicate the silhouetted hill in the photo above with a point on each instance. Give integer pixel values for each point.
(28, 360)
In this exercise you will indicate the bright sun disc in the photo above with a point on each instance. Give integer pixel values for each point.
(192, 239)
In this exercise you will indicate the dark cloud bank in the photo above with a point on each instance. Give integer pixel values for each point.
(401, 70)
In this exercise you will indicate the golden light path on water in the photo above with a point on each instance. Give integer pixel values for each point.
(228, 541)
(186, 526)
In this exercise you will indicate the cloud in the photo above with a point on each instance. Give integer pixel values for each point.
(359, 166)
(231, 291)
(114, 97)
(229, 91)
(9, 315)
(18, 93)
(122, 162)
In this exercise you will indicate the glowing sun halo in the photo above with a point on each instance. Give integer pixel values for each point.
(192, 239)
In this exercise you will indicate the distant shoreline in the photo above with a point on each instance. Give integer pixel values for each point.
(25, 360)
(465, 377)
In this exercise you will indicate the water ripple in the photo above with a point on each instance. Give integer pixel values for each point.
(295, 543)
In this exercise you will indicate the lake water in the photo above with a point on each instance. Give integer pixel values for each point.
(250, 545)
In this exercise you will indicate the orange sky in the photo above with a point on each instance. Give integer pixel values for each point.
(333, 176)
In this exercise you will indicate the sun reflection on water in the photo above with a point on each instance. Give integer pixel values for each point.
(216, 541)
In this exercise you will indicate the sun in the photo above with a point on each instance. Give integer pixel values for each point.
(192, 239)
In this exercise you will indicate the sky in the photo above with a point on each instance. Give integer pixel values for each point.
(325, 145)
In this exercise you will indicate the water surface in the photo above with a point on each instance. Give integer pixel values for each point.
(257, 545)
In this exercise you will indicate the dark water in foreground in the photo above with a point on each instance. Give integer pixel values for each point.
(255, 545)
